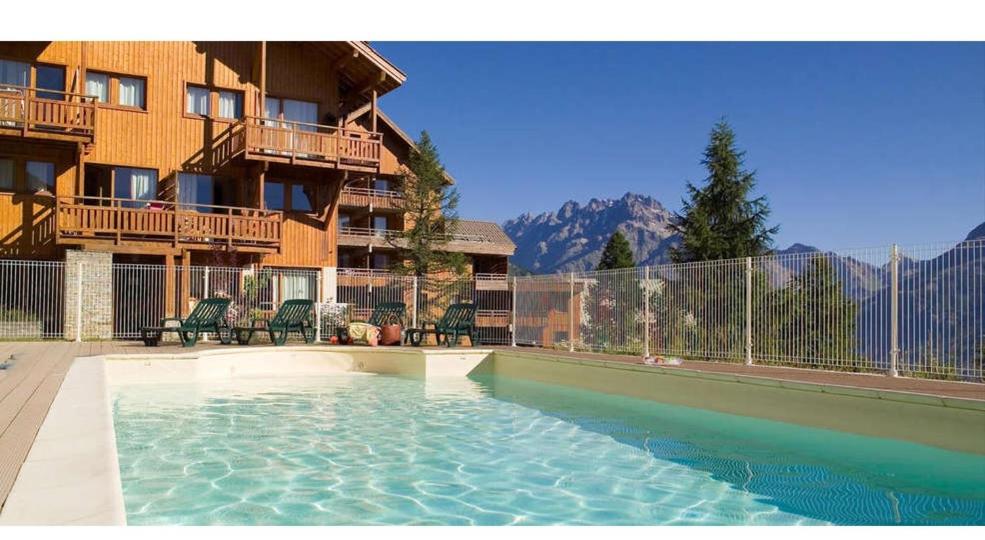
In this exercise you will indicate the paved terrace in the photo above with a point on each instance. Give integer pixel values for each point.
(29, 385)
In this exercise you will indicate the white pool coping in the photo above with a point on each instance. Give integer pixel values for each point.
(71, 475)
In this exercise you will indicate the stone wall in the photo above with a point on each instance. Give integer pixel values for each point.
(97, 294)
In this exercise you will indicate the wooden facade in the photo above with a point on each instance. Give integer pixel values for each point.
(232, 139)
(252, 150)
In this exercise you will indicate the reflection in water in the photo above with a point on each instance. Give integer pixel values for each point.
(826, 475)
(357, 449)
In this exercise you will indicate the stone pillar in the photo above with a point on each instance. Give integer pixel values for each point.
(96, 297)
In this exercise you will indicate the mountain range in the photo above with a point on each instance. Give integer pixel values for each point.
(572, 238)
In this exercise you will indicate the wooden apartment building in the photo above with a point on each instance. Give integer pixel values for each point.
(271, 154)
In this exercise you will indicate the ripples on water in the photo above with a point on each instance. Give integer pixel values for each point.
(363, 449)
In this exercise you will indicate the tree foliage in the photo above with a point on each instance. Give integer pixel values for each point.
(617, 253)
(720, 221)
(429, 203)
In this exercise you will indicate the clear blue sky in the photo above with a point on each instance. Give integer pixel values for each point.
(855, 144)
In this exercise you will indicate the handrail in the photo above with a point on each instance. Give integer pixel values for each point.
(7, 87)
(388, 233)
(276, 123)
(364, 231)
(372, 192)
(71, 114)
(165, 205)
(123, 220)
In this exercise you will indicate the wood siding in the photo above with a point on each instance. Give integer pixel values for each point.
(163, 137)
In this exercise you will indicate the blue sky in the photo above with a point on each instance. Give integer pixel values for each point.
(855, 144)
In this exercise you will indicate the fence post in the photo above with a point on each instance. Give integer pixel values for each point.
(78, 300)
(748, 311)
(318, 300)
(205, 294)
(414, 312)
(571, 312)
(894, 311)
(513, 316)
(646, 311)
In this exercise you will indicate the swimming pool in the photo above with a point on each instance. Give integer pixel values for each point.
(374, 449)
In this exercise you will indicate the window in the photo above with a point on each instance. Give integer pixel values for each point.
(139, 184)
(379, 223)
(380, 184)
(300, 201)
(14, 73)
(131, 92)
(230, 104)
(50, 78)
(97, 84)
(273, 196)
(6, 174)
(198, 100)
(40, 176)
(197, 190)
(381, 261)
(344, 221)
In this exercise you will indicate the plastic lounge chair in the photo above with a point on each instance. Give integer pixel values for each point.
(382, 313)
(458, 320)
(293, 316)
(209, 315)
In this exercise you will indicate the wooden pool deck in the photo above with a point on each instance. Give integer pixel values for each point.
(28, 386)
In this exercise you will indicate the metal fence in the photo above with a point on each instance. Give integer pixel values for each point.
(915, 310)
(31, 299)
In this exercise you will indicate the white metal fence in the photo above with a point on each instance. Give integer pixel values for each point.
(916, 310)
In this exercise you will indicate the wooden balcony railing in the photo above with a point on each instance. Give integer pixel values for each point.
(102, 220)
(370, 198)
(308, 144)
(42, 113)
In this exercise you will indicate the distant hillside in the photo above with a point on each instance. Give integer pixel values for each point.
(572, 238)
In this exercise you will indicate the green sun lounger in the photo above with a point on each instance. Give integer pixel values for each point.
(457, 321)
(293, 316)
(383, 313)
(209, 315)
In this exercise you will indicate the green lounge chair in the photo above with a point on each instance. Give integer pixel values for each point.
(209, 315)
(458, 320)
(384, 311)
(293, 316)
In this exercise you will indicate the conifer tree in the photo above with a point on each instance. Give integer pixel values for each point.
(617, 253)
(429, 203)
(720, 221)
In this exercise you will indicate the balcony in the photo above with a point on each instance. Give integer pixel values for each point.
(314, 145)
(47, 114)
(138, 226)
(492, 282)
(362, 237)
(371, 199)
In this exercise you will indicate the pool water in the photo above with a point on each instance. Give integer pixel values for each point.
(369, 449)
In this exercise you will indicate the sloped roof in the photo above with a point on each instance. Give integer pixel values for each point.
(495, 241)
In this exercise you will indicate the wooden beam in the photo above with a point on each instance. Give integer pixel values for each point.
(186, 282)
(263, 80)
(341, 61)
(169, 282)
(371, 83)
(374, 113)
(356, 114)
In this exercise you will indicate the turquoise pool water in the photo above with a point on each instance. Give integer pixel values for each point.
(364, 449)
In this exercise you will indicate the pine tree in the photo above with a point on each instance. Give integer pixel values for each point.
(429, 204)
(617, 253)
(820, 317)
(720, 221)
